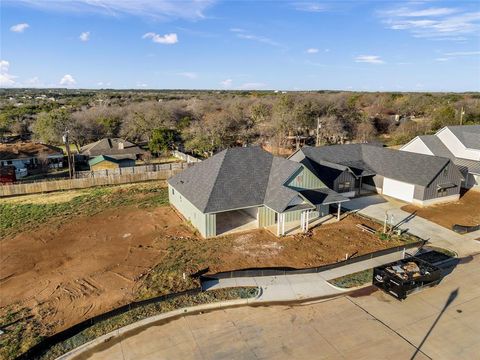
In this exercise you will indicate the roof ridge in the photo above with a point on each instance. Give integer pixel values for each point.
(216, 177)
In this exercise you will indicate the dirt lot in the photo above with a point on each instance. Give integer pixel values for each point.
(465, 211)
(70, 268)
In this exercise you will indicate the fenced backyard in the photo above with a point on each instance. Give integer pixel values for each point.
(86, 179)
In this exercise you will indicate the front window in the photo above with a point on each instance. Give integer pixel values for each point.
(442, 192)
(344, 187)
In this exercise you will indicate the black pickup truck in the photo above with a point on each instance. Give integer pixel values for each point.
(404, 277)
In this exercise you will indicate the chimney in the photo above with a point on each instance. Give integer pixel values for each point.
(120, 145)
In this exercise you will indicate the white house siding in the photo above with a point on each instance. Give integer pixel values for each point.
(191, 213)
(456, 146)
(417, 146)
(398, 189)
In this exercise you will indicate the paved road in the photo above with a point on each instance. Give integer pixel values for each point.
(375, 207)
(374, 326)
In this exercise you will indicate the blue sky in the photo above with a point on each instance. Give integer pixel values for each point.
(194, 44)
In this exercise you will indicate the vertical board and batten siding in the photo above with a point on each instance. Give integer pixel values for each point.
(305, 179)
(210, 225)
(191, 213)
(343, 177)
(452, 175)
(266, 216)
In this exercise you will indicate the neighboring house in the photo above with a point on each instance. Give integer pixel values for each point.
(28, 156)
(245, 188)
(104, 162)
(112, 147)
(355, 168)
(461, 144)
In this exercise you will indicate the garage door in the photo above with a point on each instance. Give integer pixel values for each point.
(398, 189)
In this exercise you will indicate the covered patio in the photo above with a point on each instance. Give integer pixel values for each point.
(229, 222)
(313, 212)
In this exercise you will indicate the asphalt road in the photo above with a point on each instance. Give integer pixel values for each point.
(364, 326)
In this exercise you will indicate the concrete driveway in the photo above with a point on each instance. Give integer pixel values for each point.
(363, 326)
(375, 206)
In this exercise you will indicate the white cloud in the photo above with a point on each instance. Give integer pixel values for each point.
(370, 59)
(310, 6)
(463, 53)
(237, 30)
(260, 39)
(157, 9)
(84, 36)
(435, 23)
(19, 28)
(312, 51)
(442, 59)
(143, 85)
(227, 83)
(188, 75)
(33, 82)
(167, 39)
(67, 80)
(6, 79)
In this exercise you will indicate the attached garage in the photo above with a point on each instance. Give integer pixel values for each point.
(398, 189)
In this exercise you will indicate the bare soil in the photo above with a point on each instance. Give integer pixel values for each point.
(65, 271)
(465, 211)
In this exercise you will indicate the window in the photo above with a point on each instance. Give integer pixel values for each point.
(173, 191)
(441, 192)
(344, 187)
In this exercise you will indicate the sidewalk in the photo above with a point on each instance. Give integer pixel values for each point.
(376, 206)
(301, 286)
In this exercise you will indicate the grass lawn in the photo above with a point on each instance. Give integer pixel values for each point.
(24, 213)
(353, 280)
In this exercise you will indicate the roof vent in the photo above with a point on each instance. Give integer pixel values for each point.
(120, 145)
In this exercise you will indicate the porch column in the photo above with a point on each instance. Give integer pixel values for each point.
(283, 224)
(278, 223)
(306, 221)
(302, 216)
(339, 210)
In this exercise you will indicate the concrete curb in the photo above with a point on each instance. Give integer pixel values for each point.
(152, 320)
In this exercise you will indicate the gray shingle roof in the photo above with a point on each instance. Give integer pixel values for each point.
(111, 146)
(366, 159)
(438, 148)
(469, 135)
(323, 196)
(237, 178)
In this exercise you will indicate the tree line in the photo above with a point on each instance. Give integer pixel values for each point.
(206, 122)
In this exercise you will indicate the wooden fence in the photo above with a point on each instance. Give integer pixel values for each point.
(94, 178)
(185, 157)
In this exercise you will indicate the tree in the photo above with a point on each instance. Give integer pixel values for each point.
(162, 140)
(445, 115)
(50, 126)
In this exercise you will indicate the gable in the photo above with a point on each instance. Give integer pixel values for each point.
(303, 178)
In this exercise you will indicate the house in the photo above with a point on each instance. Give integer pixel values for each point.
(113, 147)
(461, 144)
(28, 156)
(245, 188)
(104, 162)
(354, 169)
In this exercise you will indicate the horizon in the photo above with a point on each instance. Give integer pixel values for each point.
(207, 45)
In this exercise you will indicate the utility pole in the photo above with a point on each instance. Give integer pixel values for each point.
(462, 112)
(69, 157)
(317, 140)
